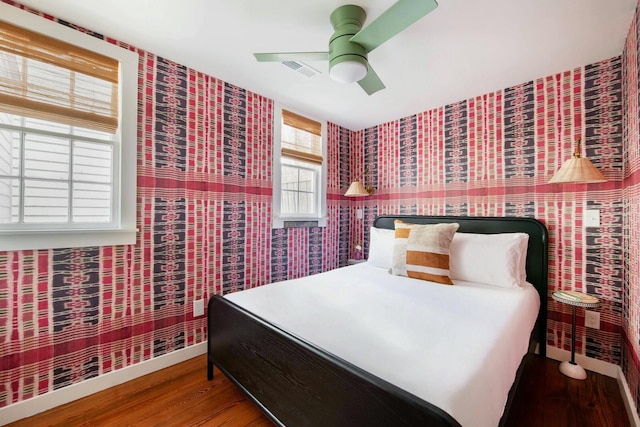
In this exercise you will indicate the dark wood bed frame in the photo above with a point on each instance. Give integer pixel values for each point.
(298, 384)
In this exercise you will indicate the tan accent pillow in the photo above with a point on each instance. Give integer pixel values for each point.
(422, 251)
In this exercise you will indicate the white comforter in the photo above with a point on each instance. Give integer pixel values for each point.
(457, 347)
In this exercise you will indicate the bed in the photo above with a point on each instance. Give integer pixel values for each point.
(303, 370)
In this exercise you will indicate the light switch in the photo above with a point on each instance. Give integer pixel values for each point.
(592, 218)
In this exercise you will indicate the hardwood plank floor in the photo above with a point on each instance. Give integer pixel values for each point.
(545, 397)
(181, 396)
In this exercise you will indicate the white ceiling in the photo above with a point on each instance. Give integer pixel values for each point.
(462, 49)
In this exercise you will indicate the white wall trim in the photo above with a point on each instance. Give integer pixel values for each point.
(44, 402)
(588, 363)
(627, 397)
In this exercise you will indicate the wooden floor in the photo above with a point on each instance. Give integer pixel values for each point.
(545, 397)
(182, 396)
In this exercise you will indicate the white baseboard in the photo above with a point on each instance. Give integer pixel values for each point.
(629, 403)
(44, 402)
(35, 405)
(588, 363)
(604, 368)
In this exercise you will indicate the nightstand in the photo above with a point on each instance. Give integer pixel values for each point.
(574, 299)
(352, 261)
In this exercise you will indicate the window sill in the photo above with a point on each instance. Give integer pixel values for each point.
(279, 222)
(11, 240)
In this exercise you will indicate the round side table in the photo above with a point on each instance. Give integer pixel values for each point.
(574, 299)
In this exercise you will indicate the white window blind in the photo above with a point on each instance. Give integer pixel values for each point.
(298, 190)
(52, 173)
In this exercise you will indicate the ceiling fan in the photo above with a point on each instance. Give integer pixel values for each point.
(350, 43)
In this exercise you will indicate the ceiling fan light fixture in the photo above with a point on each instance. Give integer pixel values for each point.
(349, 70)
(350, 44)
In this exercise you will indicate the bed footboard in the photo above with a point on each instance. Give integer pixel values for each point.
(295, 383)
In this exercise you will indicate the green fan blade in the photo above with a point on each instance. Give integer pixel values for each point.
(398, 17)
(371, 82)
(291, 56)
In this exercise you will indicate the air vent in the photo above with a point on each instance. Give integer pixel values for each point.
(300, 224)
(301, 67)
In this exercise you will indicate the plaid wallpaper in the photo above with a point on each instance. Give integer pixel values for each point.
(204, 213)
(204, 209)
(631, 210)
(494, 155)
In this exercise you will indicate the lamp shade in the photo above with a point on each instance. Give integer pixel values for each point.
(577, 169)
(356, 189)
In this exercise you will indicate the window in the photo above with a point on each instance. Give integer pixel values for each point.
(67, 136)
(299, 171)
(53, 174)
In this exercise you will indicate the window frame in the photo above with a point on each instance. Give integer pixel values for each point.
(279, 219)
(122, 230)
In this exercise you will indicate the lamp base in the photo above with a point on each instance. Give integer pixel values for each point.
(573, 370)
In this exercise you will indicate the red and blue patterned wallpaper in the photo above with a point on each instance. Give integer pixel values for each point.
(494, 154)
(631, 210)
(204, 200)
(204, 214)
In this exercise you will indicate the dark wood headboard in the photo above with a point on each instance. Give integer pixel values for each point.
(537, 251)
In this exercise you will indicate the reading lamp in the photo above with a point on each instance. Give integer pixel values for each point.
(357, 189)
(577, 169)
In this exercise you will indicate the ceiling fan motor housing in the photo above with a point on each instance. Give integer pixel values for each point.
(345, 55)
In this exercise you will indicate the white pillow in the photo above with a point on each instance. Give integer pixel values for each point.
(381, 247)
(490, 259)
